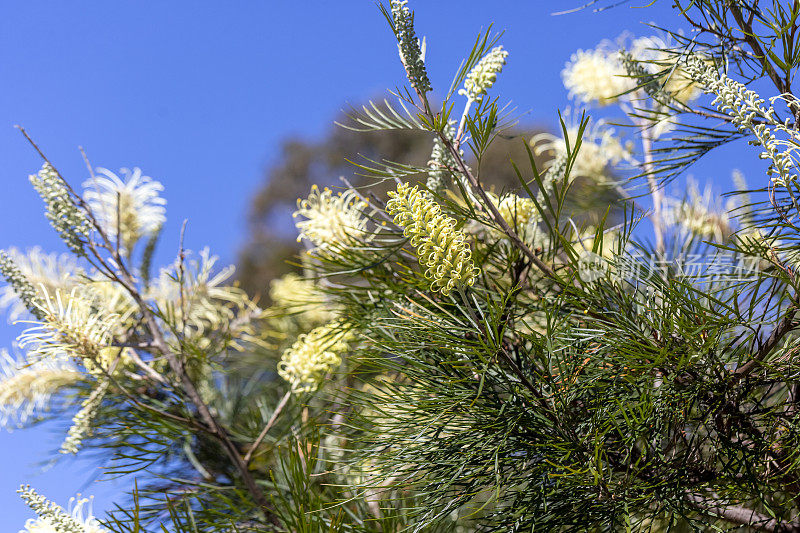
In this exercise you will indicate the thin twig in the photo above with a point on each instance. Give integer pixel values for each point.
(743, 516)
(783, 85)
(182, 276)
(493, 211)
(269, 425)
(87, 163)
(787, 324)
(655, 190)
(147, 368)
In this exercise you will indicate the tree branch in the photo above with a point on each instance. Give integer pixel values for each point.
(743, 516)
(783, 85)
(787, 324)
(477, 188)
(269, 425)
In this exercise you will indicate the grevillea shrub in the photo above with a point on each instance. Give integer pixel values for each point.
(456, 357)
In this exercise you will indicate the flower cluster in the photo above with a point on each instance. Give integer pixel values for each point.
(301, 298)
(26, 386)
(595, 76)
(19, 289)
(73, 326)
(607, 73)
(698, 214)
(24, 271)
(743, 105)
(195, 294)
(131, 207)
(82, 421)
(483, 75)
(114, 297)
(600, 150)
(332, 221)
(555, 171)
(70, 222)
(312, 357)
(440, 247)
(519, 212)
(54, 519)
(441, 162)
(654, 55)
(411, 54)
(586, 242)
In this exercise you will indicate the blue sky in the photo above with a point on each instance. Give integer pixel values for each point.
(199, 94)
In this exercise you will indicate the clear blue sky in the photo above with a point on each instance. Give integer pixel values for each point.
(199, 94)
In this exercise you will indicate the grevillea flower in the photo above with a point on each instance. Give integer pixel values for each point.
(196, 293)
(607, 250)
(596, 75)
(300, 297)
(52, 518)
(519, 212)
(441, 163)
(26, 386)
(24, 271)
(132, 205)
(82, 421)
(332, 221)
(483, 75)
(600, 151)
(654, 55)
(601, 76)
(313, 356)
(70, 222)
(441, 249)
(411, 54)
(19, 295)
(700, 214)
(73, 326)
(778, 140)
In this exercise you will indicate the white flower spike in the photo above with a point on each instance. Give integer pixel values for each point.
(131, 205)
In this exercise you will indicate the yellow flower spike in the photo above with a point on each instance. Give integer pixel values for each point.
(301, 298)
(332, 221)
(519, 212)
(313, 356)
(440, 247)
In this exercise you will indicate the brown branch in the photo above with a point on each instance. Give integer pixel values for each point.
(786, 324)
(477, 188)
(79, 200)
(755, 45)
(177, 366)
(783, 85)
(269, 425)
(743, 516)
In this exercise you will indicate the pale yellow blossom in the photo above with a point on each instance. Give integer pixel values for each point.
(312, 357)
